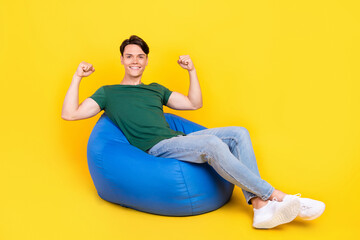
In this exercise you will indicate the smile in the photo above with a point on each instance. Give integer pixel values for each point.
(134, 68)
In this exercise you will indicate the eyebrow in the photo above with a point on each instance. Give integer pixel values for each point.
(132, 54)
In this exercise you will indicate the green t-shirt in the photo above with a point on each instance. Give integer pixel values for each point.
(138, 111)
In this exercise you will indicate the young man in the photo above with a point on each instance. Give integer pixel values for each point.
(137, 109)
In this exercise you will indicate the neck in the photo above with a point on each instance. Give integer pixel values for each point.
(128, 80)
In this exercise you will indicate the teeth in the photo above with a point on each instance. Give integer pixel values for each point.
(135, 67)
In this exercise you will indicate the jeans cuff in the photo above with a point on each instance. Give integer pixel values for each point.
(266, 196)
(250, 197)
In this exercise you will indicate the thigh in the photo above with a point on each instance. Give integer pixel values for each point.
(191, 148)
(230, 135)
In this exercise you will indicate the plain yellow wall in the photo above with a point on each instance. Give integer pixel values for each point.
(288, 71)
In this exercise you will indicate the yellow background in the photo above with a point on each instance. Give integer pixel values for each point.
(288, 71)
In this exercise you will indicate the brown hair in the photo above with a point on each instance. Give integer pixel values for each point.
(134, 40)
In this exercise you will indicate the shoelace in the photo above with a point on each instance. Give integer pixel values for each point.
(303, 207)
(276, 200)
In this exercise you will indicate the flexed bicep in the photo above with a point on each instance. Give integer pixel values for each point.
(179, 101)
(87, 109)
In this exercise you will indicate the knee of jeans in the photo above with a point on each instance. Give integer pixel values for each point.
(212, 140)
(213, 144)
(241, 131)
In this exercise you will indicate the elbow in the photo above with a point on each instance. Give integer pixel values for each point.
(67, 117)
(195, 104)
(198, 106)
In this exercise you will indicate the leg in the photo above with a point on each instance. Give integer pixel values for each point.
(211, 149)
(239, 143)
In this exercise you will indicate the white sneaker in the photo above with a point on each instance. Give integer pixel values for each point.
(310, 209)
(276, 213)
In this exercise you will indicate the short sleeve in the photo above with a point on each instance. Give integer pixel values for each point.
(99, 97)
(166, 95)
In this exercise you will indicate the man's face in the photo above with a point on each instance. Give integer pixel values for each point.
(134, 60)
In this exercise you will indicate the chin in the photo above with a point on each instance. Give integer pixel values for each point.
(135, 76)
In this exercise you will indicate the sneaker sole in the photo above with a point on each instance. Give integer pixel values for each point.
(285, 214)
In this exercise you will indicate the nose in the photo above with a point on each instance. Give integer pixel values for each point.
(135, 60)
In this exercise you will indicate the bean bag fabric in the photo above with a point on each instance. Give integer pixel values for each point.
(128, 176)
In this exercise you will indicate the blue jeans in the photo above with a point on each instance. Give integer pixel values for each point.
(227, 149)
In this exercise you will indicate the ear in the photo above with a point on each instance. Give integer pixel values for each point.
(122, 60)
(147, 60)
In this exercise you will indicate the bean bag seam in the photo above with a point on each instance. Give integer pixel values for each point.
(187, 189)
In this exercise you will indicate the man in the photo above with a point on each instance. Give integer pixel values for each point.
(137, 109)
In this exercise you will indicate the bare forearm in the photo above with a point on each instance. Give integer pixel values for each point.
(71, 102)
(194, 94)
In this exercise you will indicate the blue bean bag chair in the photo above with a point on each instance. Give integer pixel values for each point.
(128, 176)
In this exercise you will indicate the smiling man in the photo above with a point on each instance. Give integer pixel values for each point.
(137, 109)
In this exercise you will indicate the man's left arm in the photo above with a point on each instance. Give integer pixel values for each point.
(193, 100)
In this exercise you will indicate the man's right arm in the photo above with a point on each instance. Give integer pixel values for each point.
(71, 109)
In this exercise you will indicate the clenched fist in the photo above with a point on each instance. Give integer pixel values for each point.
(84, 69)
(186, 63)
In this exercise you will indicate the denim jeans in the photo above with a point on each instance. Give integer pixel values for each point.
(227, 149)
